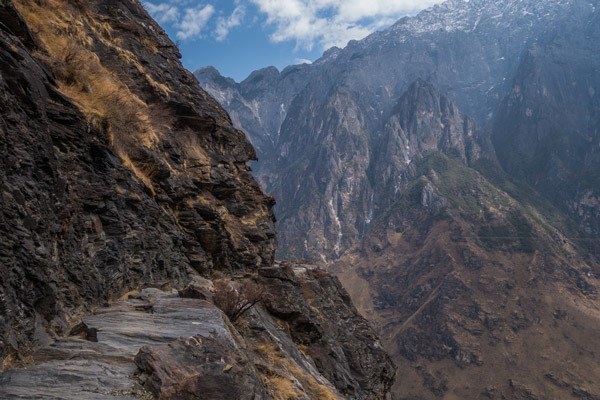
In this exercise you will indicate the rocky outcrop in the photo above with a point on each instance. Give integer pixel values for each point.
(103, 364)
(157, 344)
(422, 122)
(359, 177)
(311, 302)
(119, 173)
(259, 104)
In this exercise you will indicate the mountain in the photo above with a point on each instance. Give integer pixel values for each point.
(455, 274)
(446, 170)
(337, 106)
(476, 294)
(546, 130)
(137, 258)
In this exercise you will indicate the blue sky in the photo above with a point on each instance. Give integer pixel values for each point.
(240, 36)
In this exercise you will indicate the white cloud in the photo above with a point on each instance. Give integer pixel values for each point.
(163, 13)
(194, 21)
(224, 25)
(332, 22)
(309, 23)
(190, 21)
(302, 61)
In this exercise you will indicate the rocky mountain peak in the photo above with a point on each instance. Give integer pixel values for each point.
(423, 121)
(433, 122)
(213, 74)
(265, 75)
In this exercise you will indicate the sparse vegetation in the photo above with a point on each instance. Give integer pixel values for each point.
(65, 29)
(235, 302)
(286, 380)
(283, 388)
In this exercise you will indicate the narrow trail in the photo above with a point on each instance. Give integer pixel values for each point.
(79, 367)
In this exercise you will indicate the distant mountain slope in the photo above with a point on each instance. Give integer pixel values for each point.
(471, 50)
(547, 130)
(476, 294)
(456, 272)
(470, 243)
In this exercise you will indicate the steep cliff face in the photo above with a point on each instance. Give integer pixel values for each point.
(259, 104)
(355, 175)
(117, 170)
(546, 131)
(307, 342)
(120, 173)
(423, 121)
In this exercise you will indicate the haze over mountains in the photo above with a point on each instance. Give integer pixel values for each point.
(448, 170)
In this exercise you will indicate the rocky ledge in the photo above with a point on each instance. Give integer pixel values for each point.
(306, 341)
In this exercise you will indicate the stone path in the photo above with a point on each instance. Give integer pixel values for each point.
(76, 368)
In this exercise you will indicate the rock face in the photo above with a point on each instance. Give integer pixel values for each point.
(255, 105)
(332, 112)
(103, 364)
(86, 221)
(311, 302)
(422, 122)
(159, 345)
(117, 173)
(546, 131)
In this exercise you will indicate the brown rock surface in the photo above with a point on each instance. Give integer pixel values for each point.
(199, 368)
(321, 319)
(474, 295)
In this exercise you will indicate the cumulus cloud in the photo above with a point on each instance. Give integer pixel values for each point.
(330, 23)
(164, 13)
(194, 21)
(224, 25)
(309, 23)
(190, 20)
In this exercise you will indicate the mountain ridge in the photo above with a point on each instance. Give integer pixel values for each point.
(474, 68)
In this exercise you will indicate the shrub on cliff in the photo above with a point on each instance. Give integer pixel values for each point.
(234, 302)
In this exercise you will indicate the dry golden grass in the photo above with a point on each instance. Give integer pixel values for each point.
(192, 148)
(130, 293)
(66, 30)
(283, 388)
(284, 372)
(8, 362)
(15, 360)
